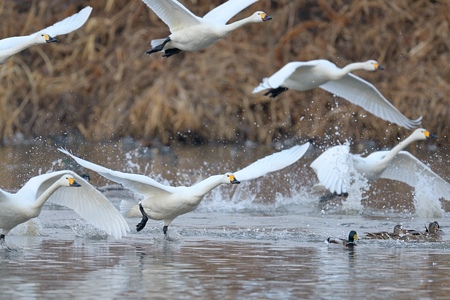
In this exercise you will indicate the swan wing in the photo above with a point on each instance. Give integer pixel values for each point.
(141, 184)
(364, 94)
(271, 163)
(69, 24)
(224, 12)
(278, 78)
(332, 168)
(406, 168)
(85, 200)
(173, 13)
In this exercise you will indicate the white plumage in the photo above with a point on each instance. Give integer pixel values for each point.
(63, 188)
(162, 202)
(190, 32)
(13, 45)
(303, 76)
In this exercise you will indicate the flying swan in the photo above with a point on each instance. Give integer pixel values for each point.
(59, 187)
(190, 32)
(13, 45)
(162, 202)
(333, 166)
(304, 76)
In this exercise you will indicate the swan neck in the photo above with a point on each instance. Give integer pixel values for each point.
(40, 201)
(237, 24)
(19, 47)
(402, 145)
(205, 186)
(352, 67)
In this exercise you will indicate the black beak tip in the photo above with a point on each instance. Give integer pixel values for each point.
(235, 182)
(380, 68)
(433, 136)
(52, 40)
(267, 18)
(76, 184)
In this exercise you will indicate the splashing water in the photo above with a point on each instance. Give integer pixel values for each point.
(426, 202)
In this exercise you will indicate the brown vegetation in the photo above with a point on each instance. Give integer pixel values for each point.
(98, 81)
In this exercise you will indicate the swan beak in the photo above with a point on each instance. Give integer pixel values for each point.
(430, 135)
(72, 182)
(379, 67)
(49, 39)
(233, 180)
(265, 17)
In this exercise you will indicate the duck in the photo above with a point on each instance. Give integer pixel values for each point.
(321, 73)
(333, 167)
(12, 45)
(384, 235)
(432, 232)
(62, 188)
(349, 243)
(190, 32)
(163, 202)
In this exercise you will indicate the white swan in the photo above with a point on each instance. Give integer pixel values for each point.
(13, 45)
(333, 166)
(304, 76)
(190, 32)
(162, 202)
(85, 200)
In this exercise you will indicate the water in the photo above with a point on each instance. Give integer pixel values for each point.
(263, 239)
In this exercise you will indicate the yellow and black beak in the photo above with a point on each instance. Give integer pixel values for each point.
(73, 183)
(430, 135)
(379, 67)
(265, 17)
(49, 39)
(233, 180)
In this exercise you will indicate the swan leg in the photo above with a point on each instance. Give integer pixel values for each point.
(144, 220)
(159, 47)
(275, 92)
(170, 52)
(331, 196)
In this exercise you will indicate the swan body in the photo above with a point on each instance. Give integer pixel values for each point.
(304, 76)
(333, 166)
(85, 200)
(13, 45)
(162, 202)
(190, 32)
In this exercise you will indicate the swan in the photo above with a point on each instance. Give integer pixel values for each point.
(162, 202)
(85, 200)
(333, 166)
(13, 45)
(190, 32)
(304, 76)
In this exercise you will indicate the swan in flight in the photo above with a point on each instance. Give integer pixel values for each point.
(333, 166)
(190, 32)
(13, 45)
(85, 200)
(308, 75)
(162, 202)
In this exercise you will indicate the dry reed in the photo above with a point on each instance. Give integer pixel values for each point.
(99, 83)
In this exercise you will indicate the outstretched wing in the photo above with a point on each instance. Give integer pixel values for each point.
(173, 13)
(332, 168)
(224, 12)
(271, 163)
(69, 24)
(406, 168)
(364, 94)
(85, 200)
(141, 184)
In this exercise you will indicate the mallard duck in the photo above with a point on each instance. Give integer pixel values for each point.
(432, 232)
(352, 237)
(384, 235)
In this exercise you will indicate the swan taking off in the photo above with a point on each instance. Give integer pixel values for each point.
(304, 76)
(333, 166)
(58, 187)
(190, 32)
(13, 45)
(162, 202)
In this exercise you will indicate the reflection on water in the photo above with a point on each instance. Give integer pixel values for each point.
(261, 240)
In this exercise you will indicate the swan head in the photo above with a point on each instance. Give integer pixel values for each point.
(372, 65)
(423, 134)
(260, 16)
(68, 180)
(45, 38)
(230, 178)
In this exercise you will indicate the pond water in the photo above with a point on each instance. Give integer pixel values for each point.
(263, 239)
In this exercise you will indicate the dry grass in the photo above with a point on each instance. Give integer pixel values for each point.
(98, 81)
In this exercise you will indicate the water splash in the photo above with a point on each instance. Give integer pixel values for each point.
(426, 202)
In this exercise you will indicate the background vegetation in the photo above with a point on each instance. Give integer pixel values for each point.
(99, 84)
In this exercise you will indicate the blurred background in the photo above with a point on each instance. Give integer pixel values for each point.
(98, 84)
